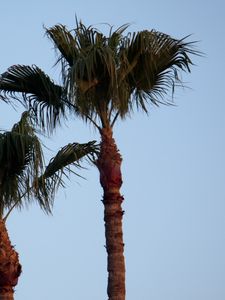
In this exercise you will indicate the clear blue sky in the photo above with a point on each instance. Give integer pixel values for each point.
(173, 166)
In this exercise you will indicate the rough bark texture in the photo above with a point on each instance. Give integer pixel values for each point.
(10, 268)
(109, 165)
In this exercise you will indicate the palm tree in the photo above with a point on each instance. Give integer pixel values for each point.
(20, 164)
(23, 177)
(104, 78)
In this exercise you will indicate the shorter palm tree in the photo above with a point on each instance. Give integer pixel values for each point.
(23, 176)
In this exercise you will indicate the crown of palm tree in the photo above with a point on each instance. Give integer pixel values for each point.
(103, 77)
(21, 163)
(23, 174)
(106, 75)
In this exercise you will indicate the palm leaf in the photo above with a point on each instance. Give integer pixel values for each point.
(69, 156)
(21, 163)
(153, 63)
(39, 93)
(64, 42)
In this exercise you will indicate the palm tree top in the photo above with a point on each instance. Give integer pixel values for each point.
(23, 173)
(21, 162)
(103, 76)
(111, 74)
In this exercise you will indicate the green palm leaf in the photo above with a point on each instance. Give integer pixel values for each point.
(64, 42)
(31, 86)
(21, 163)
(154, 60)
(67, 157)
(70, 154)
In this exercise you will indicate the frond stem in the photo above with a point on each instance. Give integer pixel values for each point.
(93, 122)
(10, 210)
(114, 120)
(130, 67)
(14, 205)
(86, 116)
(110, 112)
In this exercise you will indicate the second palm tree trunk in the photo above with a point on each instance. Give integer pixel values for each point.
(109, 165)
(10, 267)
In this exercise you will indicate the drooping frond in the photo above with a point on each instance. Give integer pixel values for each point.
(64, 42)
(61, 165)
(31, 86)
(21, 164)
(151, 65)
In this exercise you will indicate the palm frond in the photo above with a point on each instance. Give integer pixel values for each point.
(61, 165)
(21, 164)
(64, 42)
(154, 61)
(32, 87)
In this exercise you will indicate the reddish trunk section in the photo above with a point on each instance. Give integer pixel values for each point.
(10, 268)
(109, 165)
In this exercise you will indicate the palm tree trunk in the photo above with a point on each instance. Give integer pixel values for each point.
(10, 268)
(109, 165)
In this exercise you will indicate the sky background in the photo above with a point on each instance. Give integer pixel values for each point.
(173, 165)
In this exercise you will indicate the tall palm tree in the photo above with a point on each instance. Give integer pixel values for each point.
(104, 78)
(23, 176)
